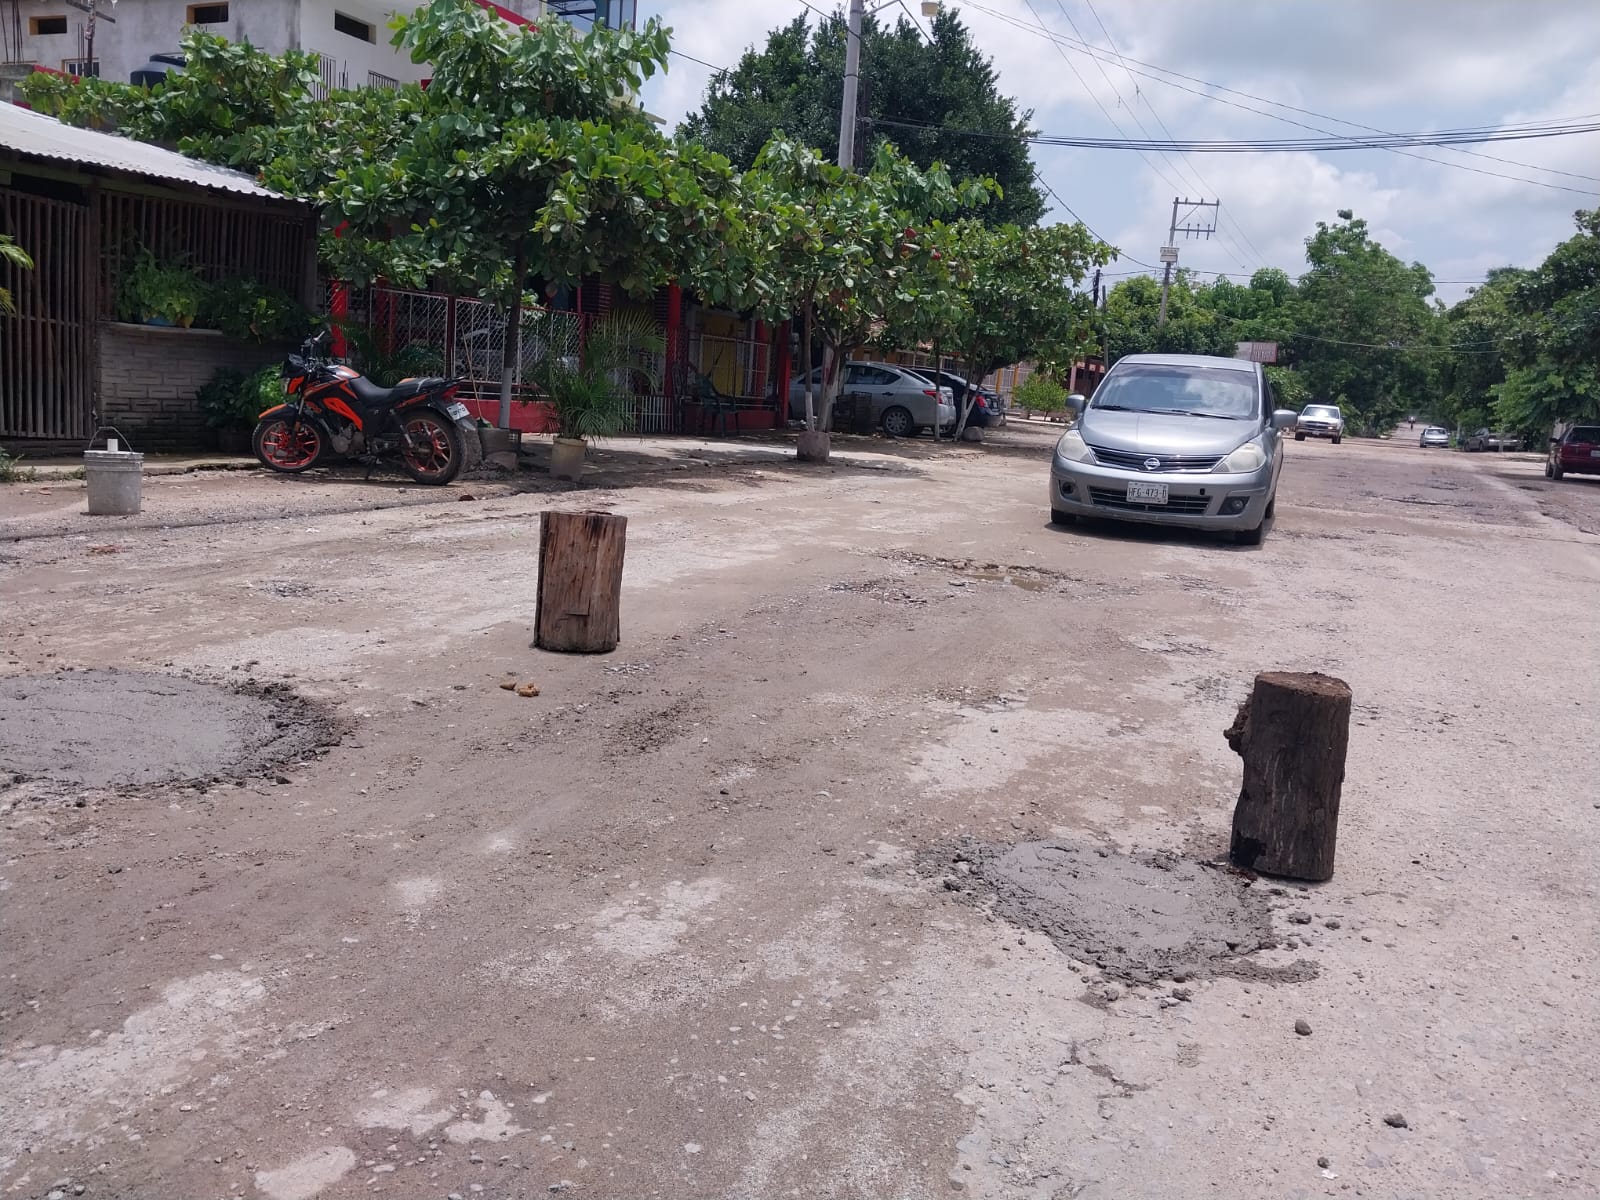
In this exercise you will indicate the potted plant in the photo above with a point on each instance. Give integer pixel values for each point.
(592, 393)
(157, 293)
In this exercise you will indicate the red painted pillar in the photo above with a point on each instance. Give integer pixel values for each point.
(338, 305)
(785, 370)
(338, 313)
(674, 336)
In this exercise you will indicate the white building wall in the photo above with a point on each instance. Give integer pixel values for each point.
(146, 27)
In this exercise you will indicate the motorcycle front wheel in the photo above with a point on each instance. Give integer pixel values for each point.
(431, 450)
(289, 446)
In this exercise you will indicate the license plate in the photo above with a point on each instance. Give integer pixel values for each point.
(1147, 493)
(1594, 454)
(457, 411)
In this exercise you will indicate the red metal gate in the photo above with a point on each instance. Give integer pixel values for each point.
(47, 349)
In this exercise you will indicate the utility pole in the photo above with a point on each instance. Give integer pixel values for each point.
(88, 37)
(852, 78)
(1169, 252)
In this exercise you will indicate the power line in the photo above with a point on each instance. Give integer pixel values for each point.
(1063, 40)
(702, 62)
(1138, 94)
(1271, 145)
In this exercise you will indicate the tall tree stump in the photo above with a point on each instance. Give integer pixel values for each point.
(580, 581)
(1292, 733)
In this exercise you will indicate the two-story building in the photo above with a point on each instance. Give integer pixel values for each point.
(137, 40)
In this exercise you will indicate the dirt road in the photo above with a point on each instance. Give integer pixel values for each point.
(713, 916)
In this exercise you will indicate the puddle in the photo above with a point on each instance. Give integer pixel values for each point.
(1024, 578)
(1138, 917)
(108, 728)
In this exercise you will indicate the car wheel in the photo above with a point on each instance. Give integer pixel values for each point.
(1549, 470)
(1250, 537)
(1337, 439)
(897, 422)
(1057, 517)
(1299, 437)
(1555, 471)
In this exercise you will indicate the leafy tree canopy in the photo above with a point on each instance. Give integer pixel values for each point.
(1011, 295)
(795, 83)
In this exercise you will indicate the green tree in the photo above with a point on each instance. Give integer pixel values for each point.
(1011, 296)
(1554, 349)
(1133, 319)
(946, 91)
(1367, 332)
(845, 252)
(1479, 330)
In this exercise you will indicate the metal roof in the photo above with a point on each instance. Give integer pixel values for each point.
(35, 134)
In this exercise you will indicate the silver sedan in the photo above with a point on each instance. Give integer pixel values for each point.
(1174, 439)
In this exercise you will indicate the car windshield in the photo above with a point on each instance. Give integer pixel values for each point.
(1189, 391)
(1319, 410)
(1585, 434)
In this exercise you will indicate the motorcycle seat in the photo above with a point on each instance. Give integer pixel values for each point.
(374, 396)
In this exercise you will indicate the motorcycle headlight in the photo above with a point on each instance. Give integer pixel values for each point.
(1072, 448)
(1246, 458)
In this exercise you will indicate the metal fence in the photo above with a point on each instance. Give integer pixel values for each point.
(465, 337)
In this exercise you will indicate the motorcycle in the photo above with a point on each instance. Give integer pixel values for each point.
(334, 410)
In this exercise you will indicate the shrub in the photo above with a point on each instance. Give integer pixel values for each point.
(1040, 393)
(233, 400)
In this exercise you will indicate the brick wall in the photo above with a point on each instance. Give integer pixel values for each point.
(149, 375)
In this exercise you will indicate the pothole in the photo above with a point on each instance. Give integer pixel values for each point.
(113, 728)
(1138, 917)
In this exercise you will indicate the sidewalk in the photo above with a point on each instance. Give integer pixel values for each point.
(70, 466)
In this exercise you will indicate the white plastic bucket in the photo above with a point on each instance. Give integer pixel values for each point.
(116, 482)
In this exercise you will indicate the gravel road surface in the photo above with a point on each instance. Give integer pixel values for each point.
(715, 915)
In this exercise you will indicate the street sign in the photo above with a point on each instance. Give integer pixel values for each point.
(1169, 254)
(1261, 352)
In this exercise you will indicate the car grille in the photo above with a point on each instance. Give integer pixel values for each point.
(1134, 460)
(1112, 498)
(1318, 426)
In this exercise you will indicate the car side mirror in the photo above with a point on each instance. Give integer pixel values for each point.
(1284, 418)
(1075, 402)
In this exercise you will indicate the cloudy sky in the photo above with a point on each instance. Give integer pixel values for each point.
(1397, 66)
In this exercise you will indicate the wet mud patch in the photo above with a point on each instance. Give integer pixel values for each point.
(112, 728)
(1138, 917)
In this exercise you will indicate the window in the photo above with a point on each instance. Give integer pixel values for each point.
(208, 14)
(81, 67)
(46, 26)
(354, 28)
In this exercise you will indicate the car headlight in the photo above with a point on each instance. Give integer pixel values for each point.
(1072, 448)
(1246, 458)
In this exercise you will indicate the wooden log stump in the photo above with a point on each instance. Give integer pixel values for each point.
(1292, 733)
(580, 581)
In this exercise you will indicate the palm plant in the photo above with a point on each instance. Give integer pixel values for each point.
(592, 394)
(18, 257)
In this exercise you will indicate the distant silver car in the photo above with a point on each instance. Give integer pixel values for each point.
(903, 402)
(1434, 435)
(1319, 420)
(1174, 439)
(1489, 439)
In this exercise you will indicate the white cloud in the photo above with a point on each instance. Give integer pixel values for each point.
(1397, 66)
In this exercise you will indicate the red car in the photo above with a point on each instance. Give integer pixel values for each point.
(1576, 452)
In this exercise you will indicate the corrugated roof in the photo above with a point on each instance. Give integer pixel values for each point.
(34, 133)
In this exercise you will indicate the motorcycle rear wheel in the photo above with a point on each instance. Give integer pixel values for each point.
(289, 447)
(431, 451)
